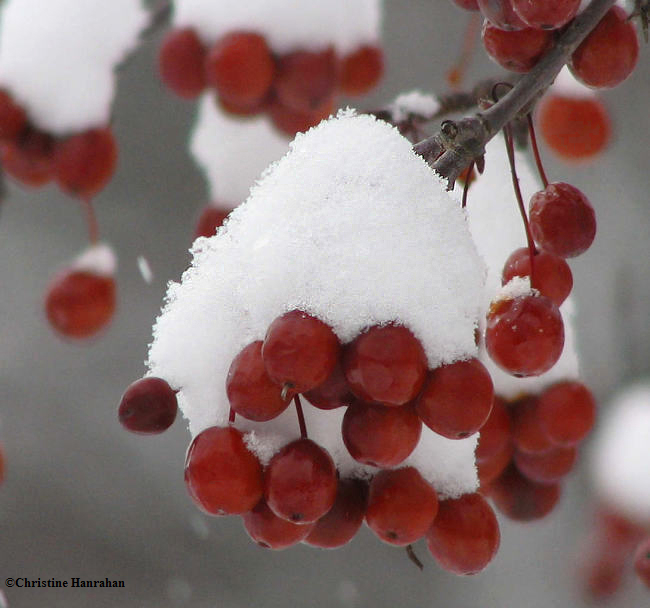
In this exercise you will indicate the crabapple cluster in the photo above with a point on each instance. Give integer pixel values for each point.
(265, 69)
(516, 33)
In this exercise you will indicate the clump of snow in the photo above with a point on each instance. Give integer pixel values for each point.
(352, 227)
(57, 57)
(287, 24)
(497, 228)
(621, 453)
(98, 259)
(415, 102)
(515, 288)
(233, 151)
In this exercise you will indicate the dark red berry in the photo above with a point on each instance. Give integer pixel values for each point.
(361, 70)
(13, 118)
(251, 393)
(148, 406)
(465, 534)
(221, 474)
(528, 435)
(271, 532)
(334, 392)
(496, 433)
(291, 121)
(546, 14)
(300, 482)
(501, 14)
(210, 219)
(181, 62)
(517, 51)
(547, 467)
(378, 435)
(30, 158)
(385, 364)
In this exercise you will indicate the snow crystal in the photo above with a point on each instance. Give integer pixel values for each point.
(145, 269)
(287, 24)
(497, 228)
(414, 102)
(98, 259)
(352, 227)
(514, 288)
(233, 151)
(566, 85)
(621, 453)
(57, 57)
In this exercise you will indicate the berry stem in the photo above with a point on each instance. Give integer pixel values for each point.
(301, 417)
(533, 142)
(456, 73)
(91, 221)
(413, 557)
(520, 202)
(466, 184)
(449, 155)
(231, 416)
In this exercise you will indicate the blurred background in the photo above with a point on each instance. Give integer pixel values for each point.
(84, 498)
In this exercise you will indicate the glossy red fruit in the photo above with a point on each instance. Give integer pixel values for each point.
(361, 70)
(181, 62)
(334, 392)
(306, 80)
(148, 406)
(291, 122)
(465, 536)
(562, 220)
(642, 562)
(517, 51)
(241, 68)
(609, 53)
(84, 163)
(251, 393)
(339, 525)
(210, 219)
(528, 435)
(524, 335)
(29, 158)
(566, 412)
(385, 364)
(488, 469)
(401, 506)
(221, 474)
(546, 14)
(547, 467)
(78, 304)
(13, 118)
(496, 433)
(501, 14)
(456, 399)
(520, 499)
(271, 532)
(380, 436)
(300, 482)
(576, 129)
(300, 350)
(553, 277)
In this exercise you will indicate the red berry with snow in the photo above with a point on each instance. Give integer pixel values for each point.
(148, 406)
(221, 474)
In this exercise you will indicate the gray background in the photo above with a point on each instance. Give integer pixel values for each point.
(83, 498)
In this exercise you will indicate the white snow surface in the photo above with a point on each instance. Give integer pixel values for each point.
(352, 227)
(98, 259)
(621, 453)
(57, 57)
(233, 151)
(497, 228)
(566, 85)
(414, 102)
(287, 24)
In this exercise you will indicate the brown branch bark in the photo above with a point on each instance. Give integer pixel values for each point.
(451, 149)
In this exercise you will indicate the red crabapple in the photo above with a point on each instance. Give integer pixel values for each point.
(501, 14)
(221, 474)
(210, 219)
(148, 406)
(465, 536)
(401, 506)
(291, 121)
(361, 70)
(333, 392)
(385, 364)
(300, 482)
(29, 158)
(271, 532)
(525, 334)
(13, 118)
(78, 304)
(496, 433)
(181, 63)
(547, 467)
(517, 51)
(528, 435)
(545, 14)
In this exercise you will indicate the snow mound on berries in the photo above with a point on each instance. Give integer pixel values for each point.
(233, 151)
(414, 102)
(497, 228)
(352, 227)
(287, 24)
(57, 57)
(621, 453)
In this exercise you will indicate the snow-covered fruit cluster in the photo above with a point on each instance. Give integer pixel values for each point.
(323, 291)
(517, 33)
(620, 530)
(267, 57)
(57, 83)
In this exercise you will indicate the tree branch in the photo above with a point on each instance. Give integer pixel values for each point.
(459, 142)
